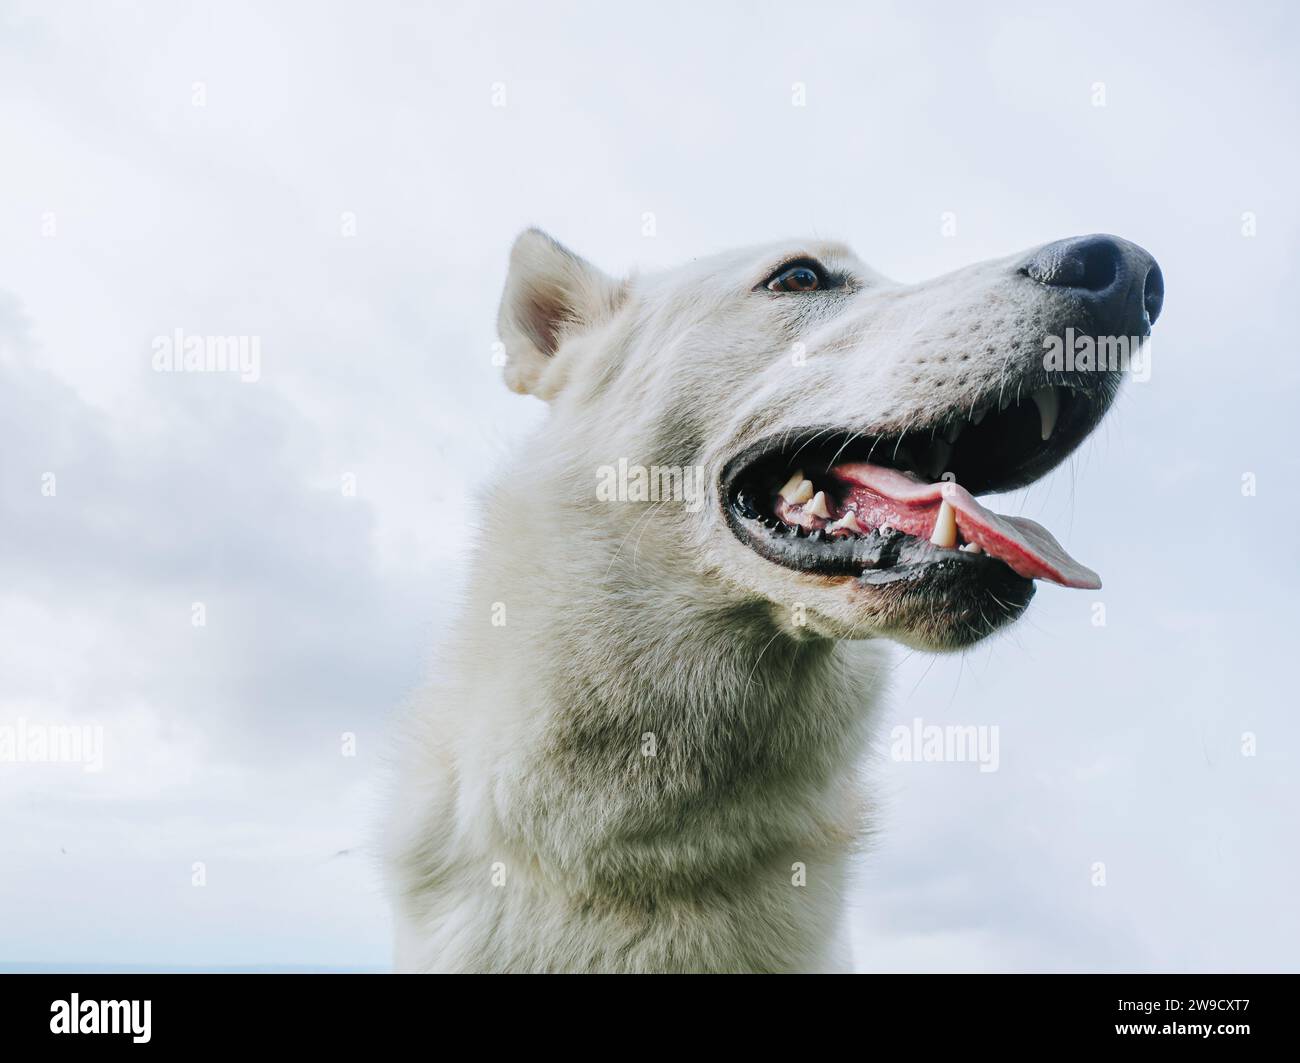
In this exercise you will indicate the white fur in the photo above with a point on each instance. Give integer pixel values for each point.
(529, 831)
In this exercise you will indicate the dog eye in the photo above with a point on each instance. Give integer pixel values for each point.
(800, 277)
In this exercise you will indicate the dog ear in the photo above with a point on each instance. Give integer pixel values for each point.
(550, 294)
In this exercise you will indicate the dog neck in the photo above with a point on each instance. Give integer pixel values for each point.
(659, 705)
(661, 769)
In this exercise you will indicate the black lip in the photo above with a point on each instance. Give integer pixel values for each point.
(876, 559)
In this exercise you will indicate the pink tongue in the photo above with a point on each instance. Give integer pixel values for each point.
(886, 496)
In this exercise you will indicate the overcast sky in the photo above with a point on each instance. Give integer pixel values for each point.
(337, 182)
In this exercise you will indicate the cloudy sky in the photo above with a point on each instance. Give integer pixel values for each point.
(342, 183)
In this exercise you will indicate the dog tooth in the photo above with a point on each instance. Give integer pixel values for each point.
(797, 489)
(817, 507)
(1049, 405)
(954, 431)
(970, 548)
(979, 415)
(945, 527)
(848, 522)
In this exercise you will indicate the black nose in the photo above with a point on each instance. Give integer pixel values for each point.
(1119, 282)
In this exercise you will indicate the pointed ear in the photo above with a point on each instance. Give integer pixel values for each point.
(551, 294)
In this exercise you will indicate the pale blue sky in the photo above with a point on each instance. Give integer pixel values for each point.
(126, 211)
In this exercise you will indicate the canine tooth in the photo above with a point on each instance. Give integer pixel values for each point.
(979, 415)
(797, 489)
(945, 527)
(970, 548)
(1049, 405)
(817, 507)
(954, 431)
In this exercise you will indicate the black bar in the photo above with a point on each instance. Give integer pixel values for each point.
(333, 1012)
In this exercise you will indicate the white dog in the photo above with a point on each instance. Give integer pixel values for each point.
(757, 468)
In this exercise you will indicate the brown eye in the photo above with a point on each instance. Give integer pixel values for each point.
(795, 279)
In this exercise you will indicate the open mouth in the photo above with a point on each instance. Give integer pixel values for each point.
(901, 505)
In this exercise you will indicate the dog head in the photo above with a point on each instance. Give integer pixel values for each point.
(790, 424)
